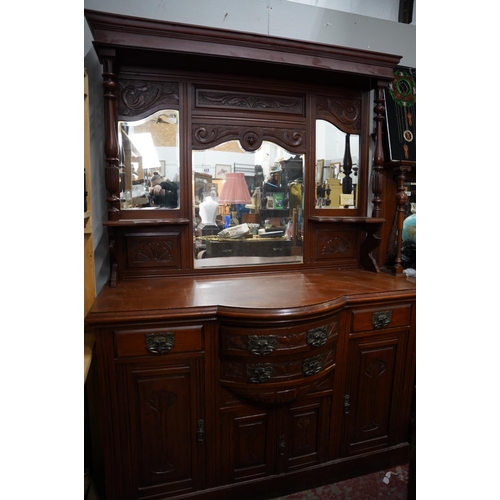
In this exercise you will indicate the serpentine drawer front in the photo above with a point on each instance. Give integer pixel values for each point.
(158, 341)
(264, 342)
(375, 318)
(277, 365)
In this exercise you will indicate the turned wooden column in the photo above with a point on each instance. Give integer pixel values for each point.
(378, 157)
(112, 171)
(401, 199)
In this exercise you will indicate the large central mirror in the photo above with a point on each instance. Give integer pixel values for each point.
(337, 160)
(248, 206)
(149, 162)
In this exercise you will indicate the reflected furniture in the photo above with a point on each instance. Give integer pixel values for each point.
(258, 247)
(263, 377)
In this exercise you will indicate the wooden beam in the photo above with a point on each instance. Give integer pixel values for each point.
(405, 11)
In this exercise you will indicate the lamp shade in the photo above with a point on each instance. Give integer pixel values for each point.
(235, 190)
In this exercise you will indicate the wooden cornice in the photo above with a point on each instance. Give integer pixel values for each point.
(122, 32)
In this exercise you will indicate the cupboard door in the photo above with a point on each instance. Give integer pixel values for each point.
(248, 443)
(304, 440)
(166, 424)
(374, 382)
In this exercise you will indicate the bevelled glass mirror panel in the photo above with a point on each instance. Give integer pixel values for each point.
(337, 160)
(248, 206)
(149, 162)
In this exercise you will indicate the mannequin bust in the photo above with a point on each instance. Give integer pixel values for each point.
(208, 213)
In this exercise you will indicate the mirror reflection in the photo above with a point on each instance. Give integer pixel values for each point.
(149, 161)
(337, 155)
(248, 206)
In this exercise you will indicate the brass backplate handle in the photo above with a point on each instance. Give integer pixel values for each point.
(160, 343)
(311, 366)
(261, 345)
(317, 336)
(381, 319)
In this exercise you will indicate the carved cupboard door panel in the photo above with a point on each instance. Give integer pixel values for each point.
(258, 441)
(374, 382)
(304, 440)
(166, 429)
(248, 443)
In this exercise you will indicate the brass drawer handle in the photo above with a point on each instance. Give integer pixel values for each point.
(381, 319)
(259, 373)
(311, 366)
(261, 345)
(160, 343)
(317, 336)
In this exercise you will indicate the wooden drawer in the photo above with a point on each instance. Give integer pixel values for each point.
(376, 318)
(158, 341)
(274, 372)
(244, 341)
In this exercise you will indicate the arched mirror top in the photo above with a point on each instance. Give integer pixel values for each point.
(337, 167)
(139, 99)
(149, 161)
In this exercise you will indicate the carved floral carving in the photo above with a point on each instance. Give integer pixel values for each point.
(137, 97)
(345, 111)
(160, 402)
(238, 100)
(206, 135)
(258, 102)
(373, 371)
(335, 245)
(153, 251)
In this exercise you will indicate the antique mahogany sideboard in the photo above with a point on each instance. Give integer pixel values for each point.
(245, 381)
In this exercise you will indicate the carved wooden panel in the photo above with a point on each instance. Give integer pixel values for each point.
(208, 98)
(372, 391)
(163, 415)
(247, 444)
(304, 440)
(153, 250)
(206, 135)
(138, 99)
(335, 245)
(343, 112)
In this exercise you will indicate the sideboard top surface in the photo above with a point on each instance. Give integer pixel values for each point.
(254, 296)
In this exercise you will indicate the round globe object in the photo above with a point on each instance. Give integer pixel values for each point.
(410, 228)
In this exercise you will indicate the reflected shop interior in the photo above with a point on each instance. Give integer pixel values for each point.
(248, 206)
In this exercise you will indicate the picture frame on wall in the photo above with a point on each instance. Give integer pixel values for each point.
(319, 171)
(221, 170)
(204, 169)
(334, 169)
